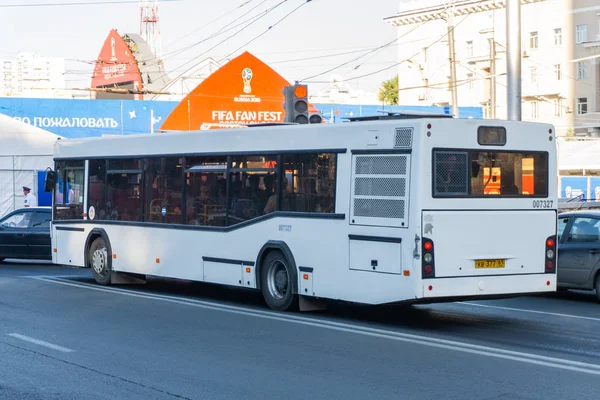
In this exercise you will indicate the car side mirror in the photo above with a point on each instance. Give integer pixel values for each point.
(50, 182)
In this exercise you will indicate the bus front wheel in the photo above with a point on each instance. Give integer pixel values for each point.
(100, 261)
(276, 282)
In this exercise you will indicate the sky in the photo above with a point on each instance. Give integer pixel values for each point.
(306, 38)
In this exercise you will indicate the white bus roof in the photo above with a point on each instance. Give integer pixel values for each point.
(273, 138)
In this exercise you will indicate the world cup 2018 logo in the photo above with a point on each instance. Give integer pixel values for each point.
(247, 77)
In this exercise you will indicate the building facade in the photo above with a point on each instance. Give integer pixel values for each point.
(555, 33)
(586, 21)
(29, 75)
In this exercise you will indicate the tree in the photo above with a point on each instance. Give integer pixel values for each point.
(388, 92)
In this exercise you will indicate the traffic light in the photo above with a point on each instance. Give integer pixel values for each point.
(315, 118)
(296, 104)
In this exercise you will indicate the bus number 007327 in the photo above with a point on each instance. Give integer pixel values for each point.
(543, 203)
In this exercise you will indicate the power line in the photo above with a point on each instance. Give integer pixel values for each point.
(212, 21)
(224, 40)
(395, 64)
(78, 3)
(358, 58)
(267, 30)
(221, 31)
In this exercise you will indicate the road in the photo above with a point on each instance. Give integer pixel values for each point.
(63, 337)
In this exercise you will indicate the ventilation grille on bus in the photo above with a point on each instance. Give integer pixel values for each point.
(451, 173)
(380, 190)
(404, 137)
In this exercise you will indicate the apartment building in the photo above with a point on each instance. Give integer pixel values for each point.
(555, 33)
(586, 53)
(29, 75)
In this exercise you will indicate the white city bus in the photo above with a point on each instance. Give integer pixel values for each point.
(397, 208)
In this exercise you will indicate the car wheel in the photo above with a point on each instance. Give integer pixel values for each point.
(276, 282)
(100, 262)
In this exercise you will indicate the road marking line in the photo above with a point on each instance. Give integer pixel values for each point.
(40, 342)
(532, 311)
(593, 369)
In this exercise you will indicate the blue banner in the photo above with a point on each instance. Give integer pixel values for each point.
(594, 189)
(86, 118)
(574, 186)
(89, 118)
(44, 199)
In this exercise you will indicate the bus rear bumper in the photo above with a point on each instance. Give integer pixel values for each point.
(488, 286)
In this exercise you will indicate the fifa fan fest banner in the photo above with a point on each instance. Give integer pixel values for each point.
(243, 91)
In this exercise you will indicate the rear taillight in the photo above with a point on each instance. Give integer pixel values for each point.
(428, 259)
(550, 260)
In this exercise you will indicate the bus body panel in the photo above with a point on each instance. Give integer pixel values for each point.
(471, 287)
(69, 243)
(472, 243)
(178, 253)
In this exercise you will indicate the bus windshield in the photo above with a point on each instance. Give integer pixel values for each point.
(477, 173)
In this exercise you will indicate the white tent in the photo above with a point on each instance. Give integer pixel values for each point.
(24, 150)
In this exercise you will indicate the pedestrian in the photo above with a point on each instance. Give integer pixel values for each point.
(30, 200)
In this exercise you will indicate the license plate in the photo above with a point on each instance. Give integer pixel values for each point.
(489, 263)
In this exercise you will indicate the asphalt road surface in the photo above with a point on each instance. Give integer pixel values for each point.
(64, 337)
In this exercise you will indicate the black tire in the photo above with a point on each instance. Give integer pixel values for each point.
(2, 260)
(276, 282)
(100, 262)
(597, 286)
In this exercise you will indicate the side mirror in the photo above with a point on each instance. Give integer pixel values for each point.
(50, 182)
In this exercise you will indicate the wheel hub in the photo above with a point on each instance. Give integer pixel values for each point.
(99, 260)
(277, 280)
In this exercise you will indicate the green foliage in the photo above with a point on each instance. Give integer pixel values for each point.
(388, 92)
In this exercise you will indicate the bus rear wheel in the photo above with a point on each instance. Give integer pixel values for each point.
(276, 282)
(100, 262)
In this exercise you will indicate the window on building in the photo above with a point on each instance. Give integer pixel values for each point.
(582, 106)
(206, 191)
(309, 183)
(533, 107)
(557, 72)
(581, 33)
(68, 194)
(581, 70)
(533, 74)
(471, 81)
(557, 107)
(469, 46)
(558, 37)
(487, 110)
(533, 40)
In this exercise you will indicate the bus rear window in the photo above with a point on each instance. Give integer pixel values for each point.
(470, 173)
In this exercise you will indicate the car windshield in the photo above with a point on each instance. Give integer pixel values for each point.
(19, 220)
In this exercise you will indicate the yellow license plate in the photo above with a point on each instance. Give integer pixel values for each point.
(489, 263)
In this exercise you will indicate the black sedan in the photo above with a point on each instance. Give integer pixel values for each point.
(579, 250)
(25, 234)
